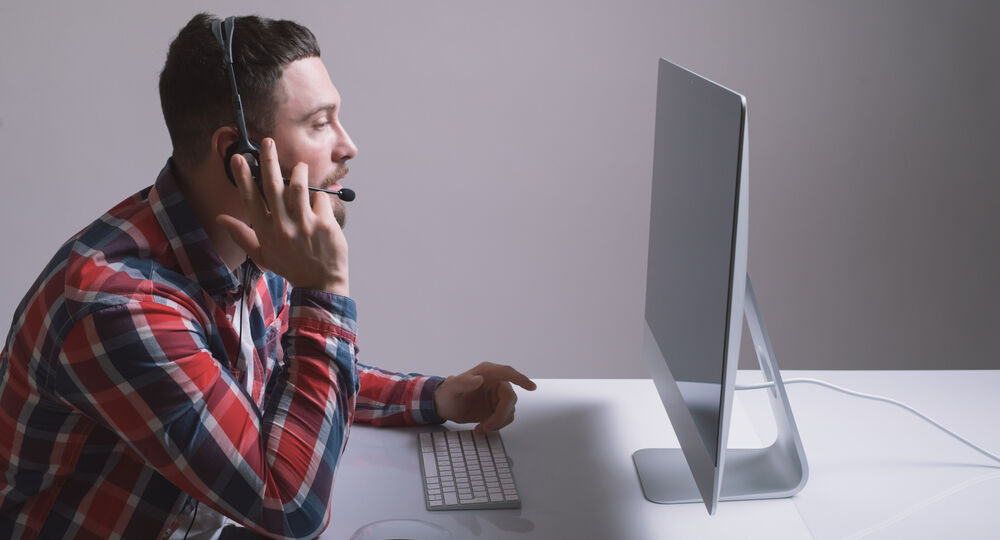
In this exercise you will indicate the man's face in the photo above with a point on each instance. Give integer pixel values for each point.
(307, 128)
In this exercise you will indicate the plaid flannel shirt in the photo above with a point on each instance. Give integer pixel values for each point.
(125, 393)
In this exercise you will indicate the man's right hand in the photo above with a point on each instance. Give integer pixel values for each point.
(298, 240)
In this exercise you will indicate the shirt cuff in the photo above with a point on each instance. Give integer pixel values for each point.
(424, 411)
(324, 311)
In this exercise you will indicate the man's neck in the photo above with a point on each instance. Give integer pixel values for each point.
(208, 195)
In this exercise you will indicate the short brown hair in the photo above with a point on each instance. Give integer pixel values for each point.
(194, 88)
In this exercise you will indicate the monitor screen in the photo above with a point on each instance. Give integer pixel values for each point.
(696, 274)
(699, 127)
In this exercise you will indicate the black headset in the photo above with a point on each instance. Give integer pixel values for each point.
(250, 150)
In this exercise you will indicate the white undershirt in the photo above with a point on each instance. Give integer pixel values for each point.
(207, 525)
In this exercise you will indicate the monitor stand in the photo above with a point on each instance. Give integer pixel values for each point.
(780, 470)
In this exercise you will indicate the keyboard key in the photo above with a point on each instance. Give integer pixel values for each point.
(430, 466)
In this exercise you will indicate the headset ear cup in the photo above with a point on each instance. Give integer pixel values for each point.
(230, 152)
(250, 154)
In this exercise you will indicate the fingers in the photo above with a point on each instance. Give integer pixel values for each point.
(503, 410)
(323, 207)
(483, 394)
(508, 373)
(297, 194)
(272, 182)
(248, 191)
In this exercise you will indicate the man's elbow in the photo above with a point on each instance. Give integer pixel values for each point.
(308, 522)
(304, 522)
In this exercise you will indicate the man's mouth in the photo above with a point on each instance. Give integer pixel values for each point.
(333, 182)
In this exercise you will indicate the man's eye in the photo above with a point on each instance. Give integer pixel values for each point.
(321, 125)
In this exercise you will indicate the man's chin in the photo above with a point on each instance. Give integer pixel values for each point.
(340, 211)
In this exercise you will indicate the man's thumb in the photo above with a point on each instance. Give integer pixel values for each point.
(471, 382)
(241, 234)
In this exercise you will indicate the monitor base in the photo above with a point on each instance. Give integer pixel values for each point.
(751, 473)
(778, 471)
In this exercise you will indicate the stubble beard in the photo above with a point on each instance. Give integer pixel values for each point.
(339, 209)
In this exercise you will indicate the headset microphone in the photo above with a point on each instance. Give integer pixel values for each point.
(250, 150)
(346, 195)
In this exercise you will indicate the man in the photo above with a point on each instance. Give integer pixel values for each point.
(191, 354)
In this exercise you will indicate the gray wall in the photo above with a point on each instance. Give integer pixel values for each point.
(505, 160)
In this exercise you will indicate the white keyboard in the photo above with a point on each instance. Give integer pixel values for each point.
(465, 470)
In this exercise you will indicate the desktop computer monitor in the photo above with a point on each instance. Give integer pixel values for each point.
(697, 292)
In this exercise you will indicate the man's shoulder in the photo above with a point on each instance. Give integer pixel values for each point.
(129, 228)
(118, 257)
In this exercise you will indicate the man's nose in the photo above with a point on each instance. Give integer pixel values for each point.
(345, 148)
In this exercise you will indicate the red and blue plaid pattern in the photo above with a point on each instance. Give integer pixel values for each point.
(125, 393)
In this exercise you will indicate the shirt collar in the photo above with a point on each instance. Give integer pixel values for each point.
(194, 252)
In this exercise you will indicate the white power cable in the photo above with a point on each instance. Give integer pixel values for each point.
(990, 455)
(922, 505)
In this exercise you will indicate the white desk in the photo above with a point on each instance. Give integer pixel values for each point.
(876, 471)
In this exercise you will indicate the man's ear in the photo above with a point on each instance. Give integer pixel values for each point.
(222, 139)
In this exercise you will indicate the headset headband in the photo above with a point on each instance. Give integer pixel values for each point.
(223, 31)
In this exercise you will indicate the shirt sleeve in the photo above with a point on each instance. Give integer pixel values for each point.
(396, 399)
(144, 370)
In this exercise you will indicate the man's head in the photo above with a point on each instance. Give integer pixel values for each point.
(286, 91)
(195, 94)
